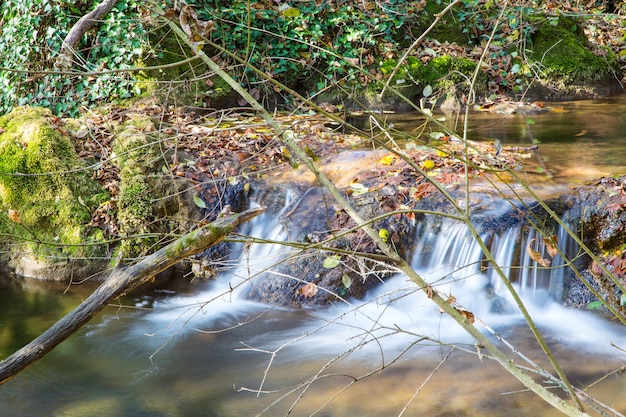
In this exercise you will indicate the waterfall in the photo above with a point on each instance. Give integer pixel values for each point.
(445, 255)
(448, 256)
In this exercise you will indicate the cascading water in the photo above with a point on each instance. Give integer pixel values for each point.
(445, 255)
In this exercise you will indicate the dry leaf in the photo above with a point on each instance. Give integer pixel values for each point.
(551, 243)
(429, 291)
(536, 256)
(596, 269)
(451, 300)
(14, 216)
(308, 290)
(467, 315)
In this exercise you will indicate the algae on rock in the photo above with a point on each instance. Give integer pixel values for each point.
(151, 205)
(46, 198)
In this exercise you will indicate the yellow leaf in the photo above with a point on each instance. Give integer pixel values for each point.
(332, 261)
(384, 234)
(441, 153)
(386, 160)
(428, 164)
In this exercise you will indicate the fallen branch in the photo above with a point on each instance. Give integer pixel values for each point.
(119, 283)
(77, 31)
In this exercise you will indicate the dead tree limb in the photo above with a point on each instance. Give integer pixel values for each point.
(77, 31)
(119, 283)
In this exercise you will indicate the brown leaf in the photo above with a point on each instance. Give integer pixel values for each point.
(536, 256)
(596, 269)
(429, 291)
(551, 243)
(467, 315)
(14, 216)
(308, 290)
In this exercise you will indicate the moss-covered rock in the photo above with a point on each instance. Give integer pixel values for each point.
(151, 204)
(566, 64)
(46, 198)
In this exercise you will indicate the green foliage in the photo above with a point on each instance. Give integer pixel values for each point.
(310, 42)
(36, 29)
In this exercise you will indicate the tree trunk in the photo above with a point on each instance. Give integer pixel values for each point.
(119, 283)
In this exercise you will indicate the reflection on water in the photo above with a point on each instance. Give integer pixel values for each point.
(578, 141)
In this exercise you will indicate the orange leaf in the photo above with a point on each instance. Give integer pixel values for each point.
(14, 216)
(429, 291)
(308, 290)
(467, 315)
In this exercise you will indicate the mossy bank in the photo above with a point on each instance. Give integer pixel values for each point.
(46, 198)
(60, 220)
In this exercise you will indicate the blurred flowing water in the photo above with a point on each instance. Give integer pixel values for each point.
(202, 349)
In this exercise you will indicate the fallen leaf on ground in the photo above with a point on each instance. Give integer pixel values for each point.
(308, 290)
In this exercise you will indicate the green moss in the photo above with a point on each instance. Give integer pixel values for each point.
(560, 49)
(449, 29)
(44, 183)
(136, 155)
(441, 71)
(187, 85)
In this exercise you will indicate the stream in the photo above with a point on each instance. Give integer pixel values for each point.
(201, 349)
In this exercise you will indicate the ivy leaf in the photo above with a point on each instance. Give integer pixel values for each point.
(289, 11)
(198, 201)
(331, 262)
(594, 305)
(428, 90)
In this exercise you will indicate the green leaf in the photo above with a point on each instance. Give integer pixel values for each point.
(346, 280)
(331, 262)
(437, 135)
(622, 300)
(594, 305)
(515, 68)
(536, 141)
(198, 201)
(530, 121)
(291, 12)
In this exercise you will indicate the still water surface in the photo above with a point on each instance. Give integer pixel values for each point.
(199, 350)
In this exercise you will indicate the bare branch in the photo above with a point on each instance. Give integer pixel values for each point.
(81, 27)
